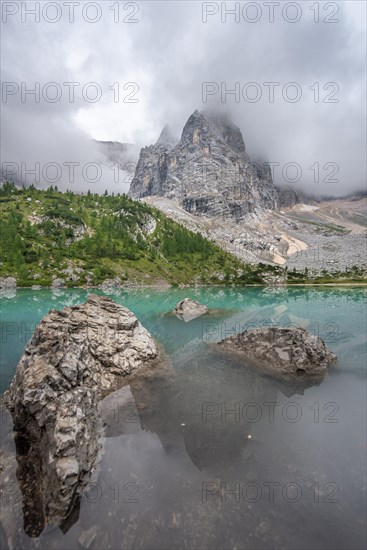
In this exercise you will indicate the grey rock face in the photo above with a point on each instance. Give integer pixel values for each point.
(283, 350)
(8, 287)
(189, 309)
(110, 286)
(8, 282)
(208, 171)
(58, 283)
(75, 357)
(287, 197)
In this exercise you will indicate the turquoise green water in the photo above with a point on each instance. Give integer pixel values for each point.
(223, 458)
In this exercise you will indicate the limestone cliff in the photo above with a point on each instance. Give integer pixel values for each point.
(208, 171)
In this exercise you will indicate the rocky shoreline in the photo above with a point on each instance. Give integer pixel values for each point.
(136, 286)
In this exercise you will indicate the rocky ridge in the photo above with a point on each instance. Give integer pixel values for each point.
(207, 182)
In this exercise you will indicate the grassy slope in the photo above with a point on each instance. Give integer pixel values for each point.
(45, 232)
(38, 242)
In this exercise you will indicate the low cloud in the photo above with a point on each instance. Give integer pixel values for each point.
(169, 62)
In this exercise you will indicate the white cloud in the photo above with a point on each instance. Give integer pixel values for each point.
(169, 53)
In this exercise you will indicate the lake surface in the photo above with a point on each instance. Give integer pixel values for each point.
(218, 456)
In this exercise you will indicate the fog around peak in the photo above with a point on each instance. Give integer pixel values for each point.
(170, 63)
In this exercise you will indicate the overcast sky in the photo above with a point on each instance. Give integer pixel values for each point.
(166, 55)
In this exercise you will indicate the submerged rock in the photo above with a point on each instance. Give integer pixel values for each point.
(189, 309)
(283, 350)
(75, 357)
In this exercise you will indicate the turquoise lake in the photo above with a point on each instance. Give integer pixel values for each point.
(222, 456)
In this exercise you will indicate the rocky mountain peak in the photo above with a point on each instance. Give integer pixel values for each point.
(208, 171)
(166, 137)
(208, 127)
(231, 134)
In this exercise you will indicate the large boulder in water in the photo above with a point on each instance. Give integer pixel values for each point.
(189, 309)
(75, 357)
(281, 350)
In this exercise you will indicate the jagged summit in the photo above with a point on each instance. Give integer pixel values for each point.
(208, 171)
(217, 126)
(166, 138)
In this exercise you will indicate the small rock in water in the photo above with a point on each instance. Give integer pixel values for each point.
(189, 309)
